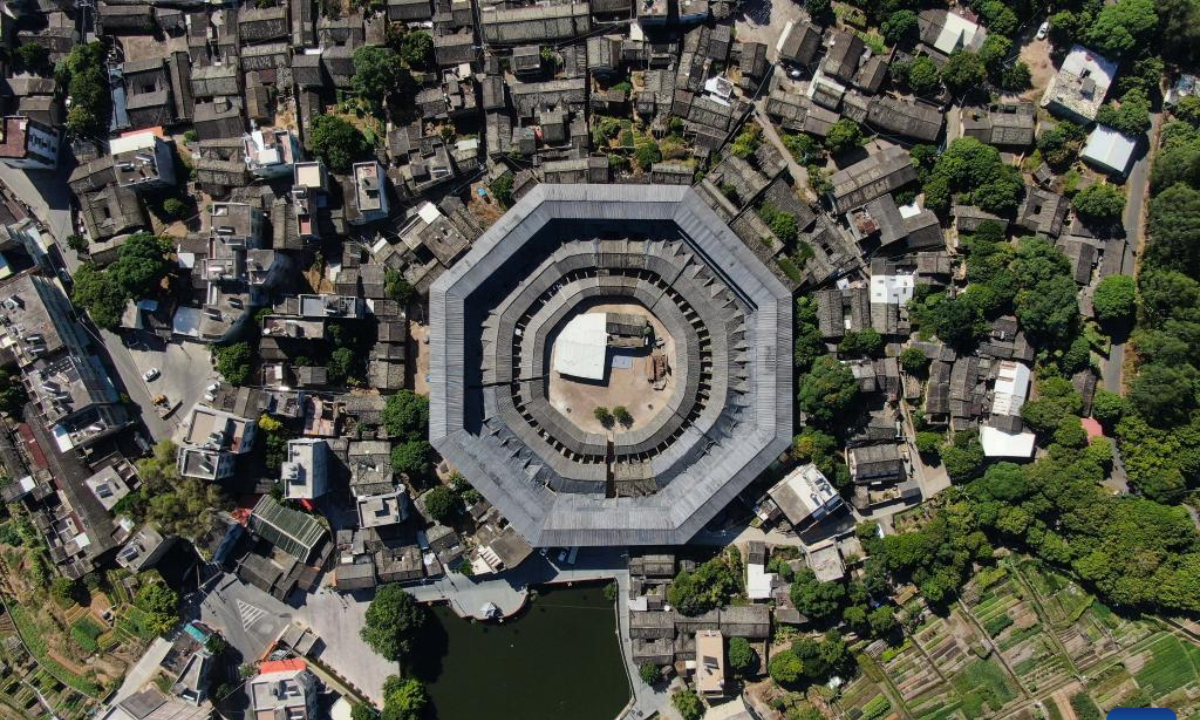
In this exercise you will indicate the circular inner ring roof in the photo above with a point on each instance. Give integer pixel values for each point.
(563, 246)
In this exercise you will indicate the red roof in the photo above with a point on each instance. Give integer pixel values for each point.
(1092, 427)
(31, 444)
(273, 666)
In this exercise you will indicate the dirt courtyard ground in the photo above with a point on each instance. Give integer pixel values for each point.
(628, 387)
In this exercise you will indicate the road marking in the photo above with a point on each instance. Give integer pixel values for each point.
(250, 614)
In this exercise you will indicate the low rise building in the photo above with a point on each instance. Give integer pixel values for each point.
(1077, 91)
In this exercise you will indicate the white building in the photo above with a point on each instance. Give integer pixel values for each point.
(1012, 388)
(1078, 90)
(284, 690)
(143, 160)
(305, 473)
(892, 289)
(805, 496)
(271, 153)
(370, 193)
(581, 349)
(1001, 436)
(28, 144)
(1109, 150)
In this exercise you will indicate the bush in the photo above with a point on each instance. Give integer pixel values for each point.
(649, 673)
(647, 154)
(688, 704)
(913, 361)
(843, 135)
(502, 189)
(78, 243)
(621, 414)
(929, 444)
(173, 208)
(603, 416)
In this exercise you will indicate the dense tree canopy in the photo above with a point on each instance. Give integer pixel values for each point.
(964, 71)
(975, 171)
(403, 698)
(711, 585)
(845, 134)
(828, 392)
(406, 415)
(86, 80)
(380, 74)
(1123, 27)
(338, 143)
(1099, 204)
(1115, 299)
(1130, 117)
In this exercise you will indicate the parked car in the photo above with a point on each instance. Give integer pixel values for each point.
(1043, 30)
(151, 375)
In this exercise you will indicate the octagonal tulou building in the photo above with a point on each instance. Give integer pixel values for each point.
(563, 250)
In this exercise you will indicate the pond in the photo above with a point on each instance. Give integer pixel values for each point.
(560, 658)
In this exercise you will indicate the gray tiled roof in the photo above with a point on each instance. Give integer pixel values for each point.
(744, 427)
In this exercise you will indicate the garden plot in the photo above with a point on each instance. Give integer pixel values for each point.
(948, 643)
(1111, 685)
(863, 698)
(1163, 666)
(914, 677)
(984, 687)
(1062, 601)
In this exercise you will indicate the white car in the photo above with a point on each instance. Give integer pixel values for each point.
(1043, 30)
(151, 375)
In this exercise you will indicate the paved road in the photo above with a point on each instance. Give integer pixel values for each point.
(1138, 184)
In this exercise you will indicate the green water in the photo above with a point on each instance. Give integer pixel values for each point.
(559, 659)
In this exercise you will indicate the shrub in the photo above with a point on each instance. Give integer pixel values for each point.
(649, 673)
(688, 704)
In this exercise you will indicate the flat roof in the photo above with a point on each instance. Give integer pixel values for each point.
(582, 347)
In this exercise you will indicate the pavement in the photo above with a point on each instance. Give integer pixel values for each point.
(248, 618)
(143, 670)
(764, 20)
(798, 171)
(1138, 184)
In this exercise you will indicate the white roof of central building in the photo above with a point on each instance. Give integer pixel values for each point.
(582, 347)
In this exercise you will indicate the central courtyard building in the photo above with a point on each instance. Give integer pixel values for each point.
(610, 365)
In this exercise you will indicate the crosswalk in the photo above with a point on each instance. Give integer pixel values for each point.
(250, 614)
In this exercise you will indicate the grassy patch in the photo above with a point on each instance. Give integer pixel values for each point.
(983, 682)
(876, 708)
(1169, 670)
(789, 268)
(35, 640)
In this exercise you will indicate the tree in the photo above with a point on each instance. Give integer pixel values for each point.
(814, 598)
(161, 602)
(337, 142)
(747, 142)
(141, 265)
(820, 10)
(1121, 27)
(711, 585)
(1180, 23)
(993, 53)
(33, 57)
(234, 362)
(406, 415)
(1099, 204)
(649, 673)
(442, 504)
(900, 27)
(963, 71)
(828, 392)
(1131, 117)
(866, 342)
(88, 87)
(397, 288)
(416, 49)
(1173, 226)
(785, 668)
(742, 657)
(1056, 400)
(393, 622)
(647, 154)
(411, 458)
(622, 416)
(1016, 77)
(808, 344)
(78, 243)
(378, 74)
(362, 711)
(913, 361)
(603, 416)
(688, 704)
(1164, 395)
(63, 590)
(502, 189)
(403, 698)
(929, 444)
(1108, 407)
(1060, 144)
(920, 74)
(963, 457)
(1115, 299)
(94, 291)
(843, 135)
(343, 364)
